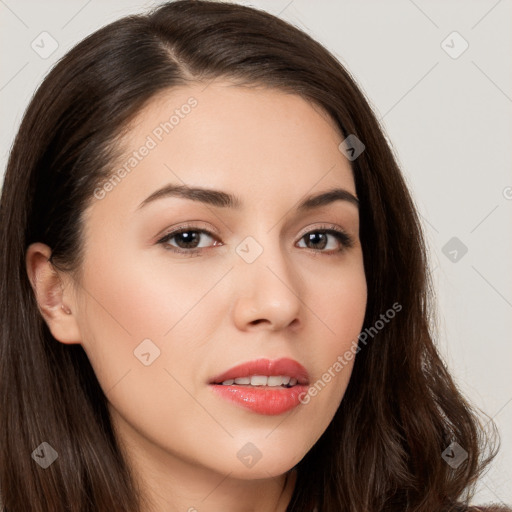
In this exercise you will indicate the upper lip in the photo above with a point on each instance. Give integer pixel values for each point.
(284, 366)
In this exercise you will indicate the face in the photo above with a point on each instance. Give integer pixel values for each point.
(177, 289)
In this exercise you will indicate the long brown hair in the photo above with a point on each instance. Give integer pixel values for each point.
(382, 451)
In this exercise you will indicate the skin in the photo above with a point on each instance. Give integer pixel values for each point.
(212, 311)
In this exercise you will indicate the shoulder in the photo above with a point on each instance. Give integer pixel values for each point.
(490, 508)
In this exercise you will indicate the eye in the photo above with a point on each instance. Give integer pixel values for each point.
(318, 240)
(189, 240)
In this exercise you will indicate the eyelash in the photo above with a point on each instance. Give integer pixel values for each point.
(345, 240)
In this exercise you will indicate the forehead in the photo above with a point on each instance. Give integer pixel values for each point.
(261, 143)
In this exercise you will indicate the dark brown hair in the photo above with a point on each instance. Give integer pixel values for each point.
(382, 451)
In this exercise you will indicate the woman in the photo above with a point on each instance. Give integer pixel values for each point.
(214, 286)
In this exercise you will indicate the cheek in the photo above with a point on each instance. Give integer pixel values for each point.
(143, 297)
(136, 311)
(338, 302)
(340, 309)
(142, 328)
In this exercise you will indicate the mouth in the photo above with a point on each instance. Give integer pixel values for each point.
(262, 380)
(282, 372)
(264, 386)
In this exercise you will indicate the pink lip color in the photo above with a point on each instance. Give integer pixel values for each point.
(265, 399)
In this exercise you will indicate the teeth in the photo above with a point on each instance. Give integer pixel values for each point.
(263, 380)
(259, 380)
(274, 381)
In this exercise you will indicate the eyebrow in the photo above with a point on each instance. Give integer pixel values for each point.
(222, 199)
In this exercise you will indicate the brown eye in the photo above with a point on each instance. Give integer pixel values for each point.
(321, 239)
(187, 240)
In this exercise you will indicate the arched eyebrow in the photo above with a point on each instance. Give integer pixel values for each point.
(221, 199)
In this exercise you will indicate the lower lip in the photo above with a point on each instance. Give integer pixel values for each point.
(265, 400)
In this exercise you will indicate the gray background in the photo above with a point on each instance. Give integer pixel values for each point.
(448, 118)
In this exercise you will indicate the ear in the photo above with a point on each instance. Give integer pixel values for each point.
(55, 300)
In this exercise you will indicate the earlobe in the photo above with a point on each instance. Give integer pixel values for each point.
(54, 303)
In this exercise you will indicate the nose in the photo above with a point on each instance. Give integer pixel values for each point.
(268, 292)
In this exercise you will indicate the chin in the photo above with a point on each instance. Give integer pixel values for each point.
(264, 469)
(261, 460)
